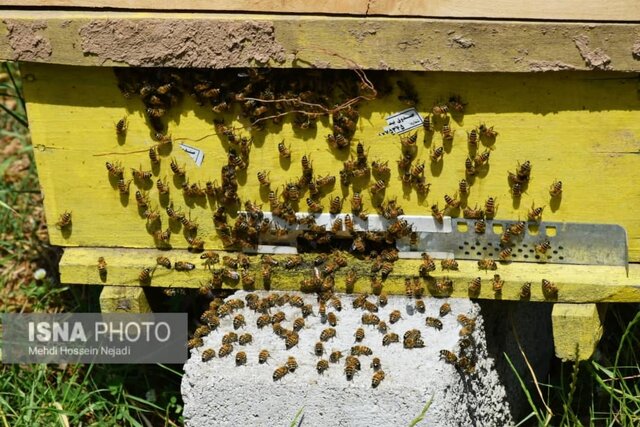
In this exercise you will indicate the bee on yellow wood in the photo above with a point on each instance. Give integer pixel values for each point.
(292, 261)
(469, 168)
(377, 378)
(452, 202)
(487, 131)
(556, 189)
(440, 110)
(482, 158)
(433, 323)
(337, 141)
(195, 243)
(121, 126)
(115, 169)
(162, 186)
(176, 169)
(263, 178)
(535, 214)
(380, 168)
(436, 154)
(445, 309)
(141, 175)
(163, 236)
(473, 137)
(64, 220)
(284, 151)
(141, 199)
(280, 372)
(516, 190)
(378, 186)
(525, 291)
(447, 133)
(123, 186)
(523, 171)
(145, 275)
(480, 226)
(208, 354)
(210, 258)
(463, 187)
(448, 357)
(487, 264)
(164, 261)
(322, 366)
(497, 283)
(449, 264)
(437, 214)
(474, 286)
(549, 289)
(427, 123)
(153, 155)
(405, 162)
(336, 205)
(490, 207)
(102, 267)
(183, 266)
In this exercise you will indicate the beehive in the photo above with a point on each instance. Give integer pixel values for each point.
(560, 95)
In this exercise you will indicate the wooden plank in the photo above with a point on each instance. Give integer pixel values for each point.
(575, 283)
(577, 127)
(159, 39)
(123, 299)
(577, 329)
(615, 10)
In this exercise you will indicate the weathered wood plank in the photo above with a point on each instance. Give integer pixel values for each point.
(575, 283)
(615, 10)
(123, 299)
(577, 329)
(159, 39)
(580, 128)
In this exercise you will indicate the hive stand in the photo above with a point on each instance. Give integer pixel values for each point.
(558, 81)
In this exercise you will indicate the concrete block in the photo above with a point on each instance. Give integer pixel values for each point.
(220, 393)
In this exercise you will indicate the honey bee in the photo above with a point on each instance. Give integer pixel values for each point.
(497, 283)
(449, 264)
(437, 214)
(448, 357)
(490, 207)
(535, 214)
(473, 137)
(516, 190)
(285, 153)
(487, 131)
(238, 321)
(322, 366)
(427, 123)
(325, 181)
(162, 186)
(436, 154)
(447, 133)
(291, 364)
(469, 168)
(394, 316)
(556, 189)
(474, 286)
(332, 319)
(382, 327)
(525, 291)
(440, 110)
(123, 186)
(445, 309)
(115, 169)
(153, 155)
(386, 269)
(361, 350)
(195, 343)
(370, 319)
(327, 334)
(296, 301)
(523, 172)
(337, 141)
(291, 340)
(230, 337)
(102, 267)
(210, 258)
(349, 371)
(505, 254)
(380, 167)
(335, 356)
(336, 205)
(164, 261)
(121, 126)
(183, 266)
(433, 323)
(263, 321)
(163, 236)
(378, 186)
(292, 261)
(177, 170)
(452, 202)
(505, 237)
(141, 199)
(145, 275)
(359, 335)
(208, 354)
(244, 339)
(377, 378)
(487, 264)
(64, 220)
(291, 192)
(195, 243)
(517, 228)
(280, 372)
(480, 226)
(405, 162)
(482, 158)
(263, 178)
(263, 356)
(549, 289)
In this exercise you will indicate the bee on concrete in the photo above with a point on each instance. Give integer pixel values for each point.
(448, 357)
(466, 321)
(420, 307)
(361, 350)
(543, 247)
(296, 301)
(141, 199)
(376, 365)
(359, 335)
(163, 236)
(238, 321)
(394, 316)
(465, 365)
(327, 334)
(413, 342)
(64, 220)
(230, 337)
(353, 361)
(335, 356)
(487, 264)
(263, 321)
(535, 214)
(263, 356)
(278, 317)
(437, 214)
(377, 378)
(382, 327)
(164, 261)
(332, 319)
(115, 169)
(208, 354)
(473, 137)
(291, 364)
(465, 343)
(482, 158)
(177, 170)
(474, 286)
(449, 264)
(102, 267)
(322, 366)
(121, 126)
(280, 372)
(368, 305)
(318, 349)
(517, 228)
(525, 291)
(244, 339)
(378, 186)
(382, 300)
(549, 289)
(497, 283)
(183, 266)
(145, 275)
(123, 186)
(390, 338)
(349, 370)
(480, 226)
(433, 323)
(370, 319)
(436, 154)
(447, 133)
(195, 343)
(469, 168)
(505, 254)
(452, 202)
(285, 153)
(445, 309)
(487, 131)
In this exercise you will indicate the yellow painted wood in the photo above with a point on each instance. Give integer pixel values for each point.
(577, 329)
(123, 299)
(311, 40)
(580, 128)
(575, 283)
(614, 10)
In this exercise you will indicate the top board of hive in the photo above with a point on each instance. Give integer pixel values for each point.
(188, 143)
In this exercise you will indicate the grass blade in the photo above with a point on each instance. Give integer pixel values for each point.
(422, 414)
(296, 422)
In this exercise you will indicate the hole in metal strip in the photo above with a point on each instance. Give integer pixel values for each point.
(551, 231)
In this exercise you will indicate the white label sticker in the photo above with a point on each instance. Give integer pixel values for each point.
(402, 122)
(196, 154)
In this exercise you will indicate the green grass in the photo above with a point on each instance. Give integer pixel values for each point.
(59, 395)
